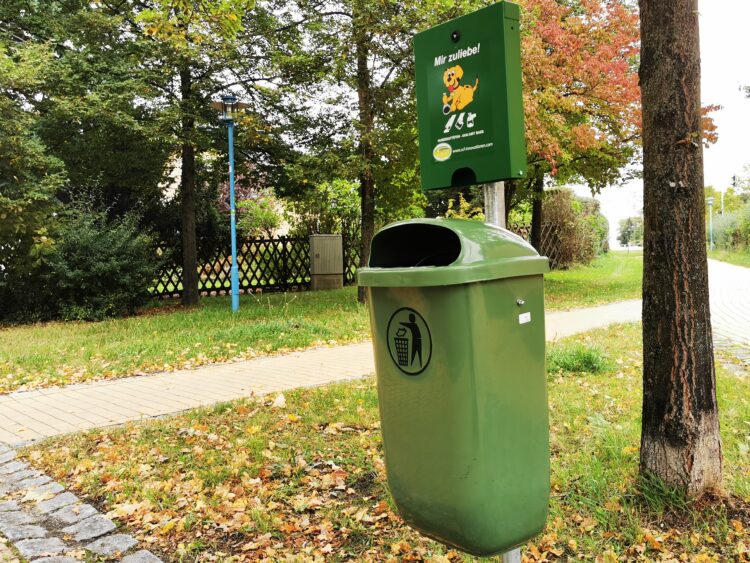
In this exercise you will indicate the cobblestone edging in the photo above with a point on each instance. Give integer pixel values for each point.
(46, 523)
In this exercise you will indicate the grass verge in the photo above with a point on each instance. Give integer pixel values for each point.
(616, 276)
(736, 257)
(167, 337)
(256, 481)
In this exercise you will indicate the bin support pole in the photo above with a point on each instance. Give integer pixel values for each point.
(494, 203)
(494, 213)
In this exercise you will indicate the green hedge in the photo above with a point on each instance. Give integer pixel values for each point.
(732, 230)
(97, 268)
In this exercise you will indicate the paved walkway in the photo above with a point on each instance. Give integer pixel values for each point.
(33, 415)
(730, 307)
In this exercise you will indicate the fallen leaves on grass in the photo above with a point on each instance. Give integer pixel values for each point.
(303, 479)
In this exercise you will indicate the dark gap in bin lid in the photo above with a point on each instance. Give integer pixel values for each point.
(434, 252)
(414, 245)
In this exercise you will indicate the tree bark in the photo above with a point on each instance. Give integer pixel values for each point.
(680, 442)
(187, 193)
(536, 210)
(367, 126)
(510, 191)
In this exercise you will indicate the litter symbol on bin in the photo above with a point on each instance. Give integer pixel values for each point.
(409, 341)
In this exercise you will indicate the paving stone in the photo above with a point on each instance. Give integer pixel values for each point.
(56, 560)
(141, 556)
(6, 456)
(12, 467)
(30, 483)
(43, 492)
(19, 476)
(90, 528)
(112, 544)
(4, 447)
(64, 499)
(15, 533)
(8, 506)
(42, 547)
(74, 513)
(16, 518)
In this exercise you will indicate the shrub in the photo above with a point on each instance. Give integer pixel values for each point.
(96, 269)
(100, 268)
(259, 217)
(732, 230)
(573, 230)
(464, 210)
(576, 358)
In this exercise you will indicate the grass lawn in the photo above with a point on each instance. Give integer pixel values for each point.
(616, 276)
(166, 337)
(305, 482)
(736, 257)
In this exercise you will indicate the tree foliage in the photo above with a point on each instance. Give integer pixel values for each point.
(630, 231)
(327, 208)
(581, 87)
(29, 175)
(259, 216)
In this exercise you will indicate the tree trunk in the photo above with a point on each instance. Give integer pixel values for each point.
(510, 191)
(366, 124)
(187, 193)
(536, 209)
(680, 440)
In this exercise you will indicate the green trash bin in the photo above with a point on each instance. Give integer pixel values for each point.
(457, 317)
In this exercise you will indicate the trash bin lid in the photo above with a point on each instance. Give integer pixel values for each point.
(435, 252)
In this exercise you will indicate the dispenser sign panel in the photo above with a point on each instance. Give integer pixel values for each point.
(469, 102)
(462, 120)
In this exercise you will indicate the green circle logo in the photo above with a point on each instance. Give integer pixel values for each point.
(442, 152)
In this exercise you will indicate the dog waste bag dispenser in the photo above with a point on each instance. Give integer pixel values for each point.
(469, 100)
(457, 317)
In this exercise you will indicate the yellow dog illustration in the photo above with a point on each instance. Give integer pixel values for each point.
(459, 96)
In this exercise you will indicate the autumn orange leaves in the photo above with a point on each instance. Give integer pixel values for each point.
(580, 77)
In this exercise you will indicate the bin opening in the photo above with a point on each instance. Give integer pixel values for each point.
(414, 245)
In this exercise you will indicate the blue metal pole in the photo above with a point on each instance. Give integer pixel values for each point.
(233, 219)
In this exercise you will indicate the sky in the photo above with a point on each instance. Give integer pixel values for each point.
(724, 68)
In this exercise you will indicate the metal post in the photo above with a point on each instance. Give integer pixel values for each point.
(494, 213)
(233, 222)
(494, 203)
(711, 221)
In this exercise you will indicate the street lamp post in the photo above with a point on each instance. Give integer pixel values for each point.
(710, 201)
(229, 105)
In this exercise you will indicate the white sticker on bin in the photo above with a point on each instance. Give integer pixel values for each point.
(524, 318)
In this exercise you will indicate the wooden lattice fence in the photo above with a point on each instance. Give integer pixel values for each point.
(278, 264)
(351, 241)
